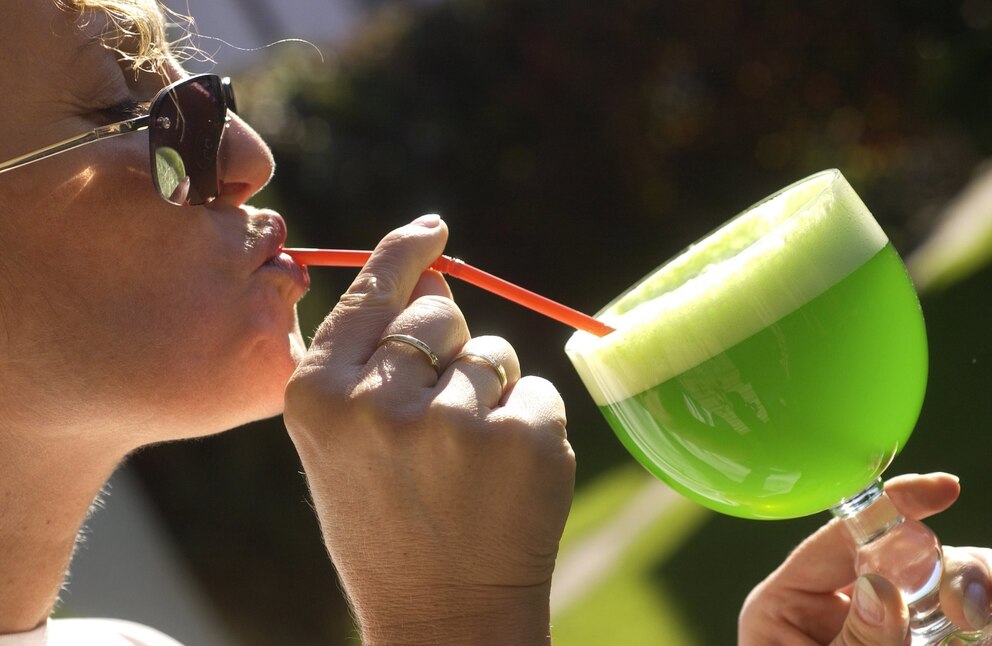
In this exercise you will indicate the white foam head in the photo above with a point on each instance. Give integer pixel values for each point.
(751, 272)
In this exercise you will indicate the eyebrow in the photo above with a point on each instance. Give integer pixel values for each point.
(98, 78)
(91, 34)
(88, 54)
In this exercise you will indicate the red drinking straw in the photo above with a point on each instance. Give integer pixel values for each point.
(468, 273)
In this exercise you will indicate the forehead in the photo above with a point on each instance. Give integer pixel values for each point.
(53, 68)
(48, 33)
(48, 57)
(37, 34)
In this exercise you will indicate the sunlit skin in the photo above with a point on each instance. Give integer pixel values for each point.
(124, 320)
(813, 598)
(116, 272)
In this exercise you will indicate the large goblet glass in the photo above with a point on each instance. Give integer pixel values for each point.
(774, 370)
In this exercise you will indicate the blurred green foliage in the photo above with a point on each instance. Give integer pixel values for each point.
(572, 147)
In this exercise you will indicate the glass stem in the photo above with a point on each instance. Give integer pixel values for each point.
(902, 550)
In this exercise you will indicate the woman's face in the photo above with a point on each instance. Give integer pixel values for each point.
(118, 311)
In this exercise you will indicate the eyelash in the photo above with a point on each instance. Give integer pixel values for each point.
(126, 110)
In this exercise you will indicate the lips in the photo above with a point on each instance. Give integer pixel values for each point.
(269, 239)
(284, 264)
(269, 231)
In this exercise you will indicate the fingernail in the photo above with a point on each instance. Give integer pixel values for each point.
(976, 605)
(866, 602)
(428, 221)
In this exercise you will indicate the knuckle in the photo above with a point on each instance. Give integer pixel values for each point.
(370, 289)
(316, 406)
(396, 237)
(311, 399)
(378, 407)
(497, 346)
(446, 413)
(539, 431)
(543, 399)
(329, 338)
(432, 307)
(380, 282)
(541, 387)
(305, 384)
(491, 340)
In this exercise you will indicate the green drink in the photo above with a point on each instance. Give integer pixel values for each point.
(775, 367)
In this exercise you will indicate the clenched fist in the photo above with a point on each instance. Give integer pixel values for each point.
(441, 477)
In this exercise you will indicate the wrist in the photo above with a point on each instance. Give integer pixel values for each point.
(491, 616)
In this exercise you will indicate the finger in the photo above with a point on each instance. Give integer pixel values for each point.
(483, 371)
(537, 400)
(533, 416)
(431, 283)
(383, 288)
(407, 366)
(824, 562)
(919, 497)
(878, 617)
(965, 587)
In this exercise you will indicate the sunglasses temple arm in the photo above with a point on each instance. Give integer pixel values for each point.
(103, 132)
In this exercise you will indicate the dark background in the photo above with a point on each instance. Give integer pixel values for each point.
(572, 147)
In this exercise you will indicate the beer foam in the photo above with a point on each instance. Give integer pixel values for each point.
(757, 268)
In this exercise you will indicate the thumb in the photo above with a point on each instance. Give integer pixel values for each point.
(878, 616)
(382, 289)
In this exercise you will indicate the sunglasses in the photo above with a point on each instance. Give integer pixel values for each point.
(185, 123)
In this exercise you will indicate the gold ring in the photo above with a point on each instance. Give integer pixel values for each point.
(489, 361)
(416, 343)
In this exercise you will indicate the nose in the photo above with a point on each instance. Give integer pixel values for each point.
(246, 163)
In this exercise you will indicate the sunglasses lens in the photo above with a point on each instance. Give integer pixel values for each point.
(186, 126)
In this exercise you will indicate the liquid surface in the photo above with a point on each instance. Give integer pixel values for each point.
(751, 272)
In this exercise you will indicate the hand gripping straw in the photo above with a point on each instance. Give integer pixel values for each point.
(459, 269)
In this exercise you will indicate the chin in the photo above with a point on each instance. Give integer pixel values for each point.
(267, 381)
(233, 386)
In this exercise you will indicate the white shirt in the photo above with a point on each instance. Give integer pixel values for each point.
(89, 632)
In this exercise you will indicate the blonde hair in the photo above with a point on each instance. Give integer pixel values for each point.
(136, 29)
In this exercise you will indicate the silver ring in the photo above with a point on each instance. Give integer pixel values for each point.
(489, 361)
(416, 343)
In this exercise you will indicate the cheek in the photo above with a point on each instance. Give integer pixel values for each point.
(203, 354)
(267, 366)
(253, 363)
(139, 310)
(224, 339)
(266, 339)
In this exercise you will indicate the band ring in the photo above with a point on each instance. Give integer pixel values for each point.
(416, 343)
(489, 361)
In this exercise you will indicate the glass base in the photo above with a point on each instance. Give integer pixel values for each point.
(934, 633)
(906, 553)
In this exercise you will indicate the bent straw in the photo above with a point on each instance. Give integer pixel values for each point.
(459, 269)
